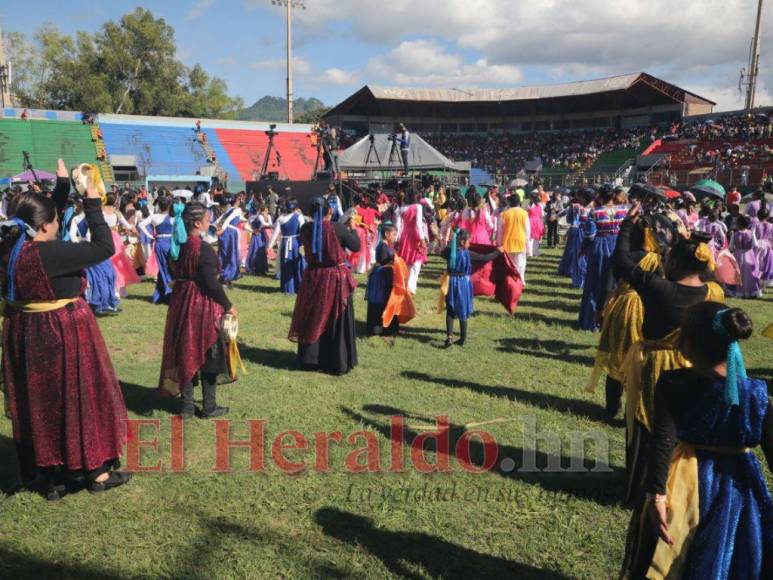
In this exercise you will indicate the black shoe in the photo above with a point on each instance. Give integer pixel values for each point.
(459, 342)
(448, 343)
(216, 412)
(187, 413)
(55, 492)
(115, 479)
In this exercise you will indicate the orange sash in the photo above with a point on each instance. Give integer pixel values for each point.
(400, 302)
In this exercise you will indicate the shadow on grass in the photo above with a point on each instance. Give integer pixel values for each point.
(17, 565)
(545, 401)
(143, 400)
(258, 289)
(276, 359)
(563, 306)
(402, 552)
(549, 471)
(532, 317)
(550, 349)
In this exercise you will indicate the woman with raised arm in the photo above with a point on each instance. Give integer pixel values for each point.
(323, 319)
(61, 392)
(708, 512)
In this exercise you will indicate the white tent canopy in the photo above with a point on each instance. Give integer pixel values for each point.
(422, 156)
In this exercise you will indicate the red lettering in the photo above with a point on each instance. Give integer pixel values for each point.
(490, 451)
(135, 444)
(322, 449)
(224, 443)
(397, 439)
(277, 451)
(370, 452)
(442, 439)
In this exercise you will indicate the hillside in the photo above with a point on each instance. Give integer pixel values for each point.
(275, 109)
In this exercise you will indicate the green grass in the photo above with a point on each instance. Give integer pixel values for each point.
(200, 524)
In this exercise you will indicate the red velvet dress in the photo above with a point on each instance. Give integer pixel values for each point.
(192, 322)
(61, 391)
(323, 319)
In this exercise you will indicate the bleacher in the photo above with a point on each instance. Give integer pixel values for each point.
(247, 148)
(158, 149)
(46, 141)
(612, 161)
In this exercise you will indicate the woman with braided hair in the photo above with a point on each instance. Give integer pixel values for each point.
(194, 348)
(323, 318)
(708, 511)
(61, 392)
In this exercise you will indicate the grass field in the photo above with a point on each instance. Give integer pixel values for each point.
(202, 524)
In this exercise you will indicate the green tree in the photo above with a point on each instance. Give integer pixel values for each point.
(313, 116)
(129, 66)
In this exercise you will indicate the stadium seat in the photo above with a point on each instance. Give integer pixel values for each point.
(247, 149)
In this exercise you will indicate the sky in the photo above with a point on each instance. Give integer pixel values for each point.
(342, 45)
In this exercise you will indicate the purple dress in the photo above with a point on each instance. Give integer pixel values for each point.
(718, 237)
(744, 246)
(764, 234)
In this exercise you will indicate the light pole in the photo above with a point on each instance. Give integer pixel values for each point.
(749, 78)
(290, 4)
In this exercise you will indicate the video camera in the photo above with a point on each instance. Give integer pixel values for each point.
(271, 131)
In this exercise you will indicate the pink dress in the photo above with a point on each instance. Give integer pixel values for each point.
(535, 220)
(125, 275)
(409, 248)
(481, 227)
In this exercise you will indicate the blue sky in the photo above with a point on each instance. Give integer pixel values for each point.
(340, 45)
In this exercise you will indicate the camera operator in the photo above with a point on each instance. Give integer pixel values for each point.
(405, 145)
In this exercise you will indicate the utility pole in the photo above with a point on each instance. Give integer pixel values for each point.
(290, 4)
(5, 75)
(754, 62)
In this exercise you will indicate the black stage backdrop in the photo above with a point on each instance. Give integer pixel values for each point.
(303, 191)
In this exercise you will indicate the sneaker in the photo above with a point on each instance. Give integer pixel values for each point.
(216, 412)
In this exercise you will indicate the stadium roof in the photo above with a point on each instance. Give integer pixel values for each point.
(638, 89)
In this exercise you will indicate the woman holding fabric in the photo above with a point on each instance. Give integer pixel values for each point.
(62, 394)
(323, 319)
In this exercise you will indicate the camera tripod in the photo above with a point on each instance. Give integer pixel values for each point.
(264, 175)
(27, 165)
(372, 150)
(324, 152)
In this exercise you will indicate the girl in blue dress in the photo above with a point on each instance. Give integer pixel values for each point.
(229, 241)
(291, 262)
(601, 233)
(100, 278)
(159, 227)
(708, 513)
(574, 261)
(459, 298)
(257, 256)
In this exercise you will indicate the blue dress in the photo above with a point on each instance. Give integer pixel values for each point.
(292, 263)
(257, 258)
(228, 248)
(163, 233)
(100, 292)
(602, 227)
(574, 262)
(459, 300)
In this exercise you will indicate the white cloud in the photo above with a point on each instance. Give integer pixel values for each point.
(426, 63)
(300, 66)
(695, 44)
(198, 9)
(337, 76)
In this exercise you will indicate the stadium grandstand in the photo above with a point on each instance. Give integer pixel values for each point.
(137, 149)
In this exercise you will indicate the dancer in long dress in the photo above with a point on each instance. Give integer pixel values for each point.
(262, 227)
(291, 262)
(323, 318)
(66, 407)
(229, 243)
(480, 222)
(389, 302)
(459, 296)
(574, 262)
(763, 231)
(744, 246)
(537, 223)
(665, 301)
(708, 512)
(603, 226)
(194, 348)
(158, 228)
(414, 239)
(125, 275)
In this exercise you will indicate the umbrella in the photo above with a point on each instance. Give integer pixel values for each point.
(28, 176)
(672, 193)
(752, 196)
(518, 182)
(708, 188)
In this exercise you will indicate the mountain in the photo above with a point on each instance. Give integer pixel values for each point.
(275, 109)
